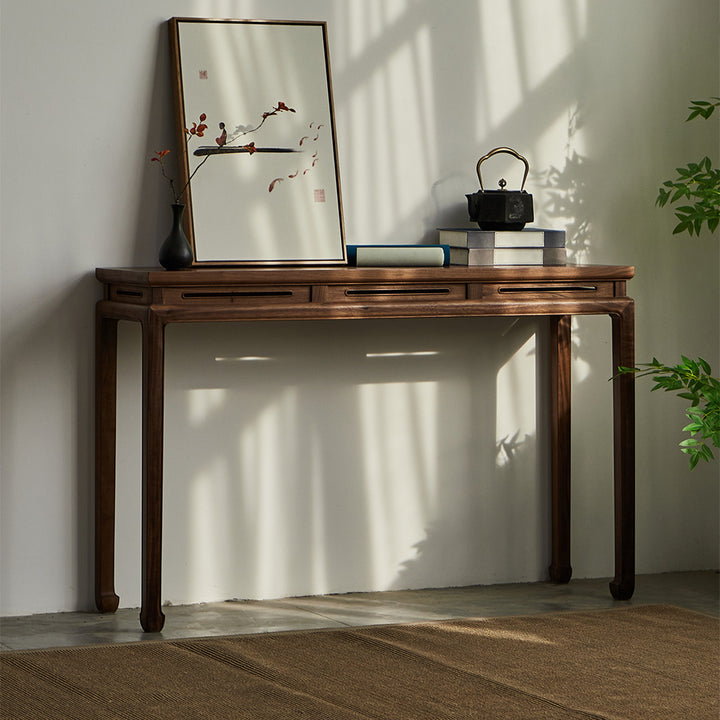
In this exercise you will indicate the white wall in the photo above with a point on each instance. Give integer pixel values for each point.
(325, 469)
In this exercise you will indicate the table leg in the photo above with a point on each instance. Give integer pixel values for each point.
(623, 352)
(153, 378)
(560, 363)
(105, 423)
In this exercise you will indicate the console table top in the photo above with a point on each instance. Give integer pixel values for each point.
(157, 277)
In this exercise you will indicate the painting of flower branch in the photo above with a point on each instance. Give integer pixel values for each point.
(256, 137)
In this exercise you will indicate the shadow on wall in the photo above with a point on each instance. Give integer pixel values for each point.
(320, 453)
(567, 198)
(507, 482)
(154, 214)
(289, 444)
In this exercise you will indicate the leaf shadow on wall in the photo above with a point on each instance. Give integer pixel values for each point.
(244, 480)
(567, 193)
(506, 510)
(315, 464)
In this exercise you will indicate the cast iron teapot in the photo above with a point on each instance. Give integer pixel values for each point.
(501, 209)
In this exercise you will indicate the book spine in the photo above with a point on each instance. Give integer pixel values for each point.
(527, 238)
(398, 255)
(507, 256)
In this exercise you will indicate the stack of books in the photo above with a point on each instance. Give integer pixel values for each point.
(530, 246)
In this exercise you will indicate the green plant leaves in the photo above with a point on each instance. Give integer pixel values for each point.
(698, 183)
(697, 186)
(691, 380)
(702, 108)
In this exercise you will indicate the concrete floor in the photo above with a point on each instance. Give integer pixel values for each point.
(699, 591)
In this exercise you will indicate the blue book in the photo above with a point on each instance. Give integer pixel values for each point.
(398, 255)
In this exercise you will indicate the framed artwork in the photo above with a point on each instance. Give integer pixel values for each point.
(256, 140)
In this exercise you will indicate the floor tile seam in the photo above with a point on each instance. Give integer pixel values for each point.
(291, 610)
(329, 618)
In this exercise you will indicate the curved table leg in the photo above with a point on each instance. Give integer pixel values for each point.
(623, 344)
(153, 378)
(560, 361)
(105, 421)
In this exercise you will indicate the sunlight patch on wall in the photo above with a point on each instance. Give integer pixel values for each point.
(394, 10)
(263, 454)
(202, 403)
(244, 358)
(413, 128)
(516, 407)
(499, 58)
(263, 227)
(209, 536)
(550, 32)
(369, 21)
(318, 530)
(581, 368)
(565, 182)
(558, 133)
(400, 449)
(415, 353)
(522, 46)
(393, 145)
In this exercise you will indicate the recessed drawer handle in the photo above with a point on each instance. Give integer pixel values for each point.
(563, 288)
(236, 293)
(399, 291)
(129, 293)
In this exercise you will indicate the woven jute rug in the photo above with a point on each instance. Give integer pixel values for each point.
(636, 662)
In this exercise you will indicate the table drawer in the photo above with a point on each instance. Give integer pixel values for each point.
(233, 295)
(132, 294)
(539, 290)
(388, 293)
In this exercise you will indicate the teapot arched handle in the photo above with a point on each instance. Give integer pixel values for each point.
(509, 151)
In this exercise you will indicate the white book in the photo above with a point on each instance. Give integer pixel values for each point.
(507, 256)
(528, 237)
(398, 255)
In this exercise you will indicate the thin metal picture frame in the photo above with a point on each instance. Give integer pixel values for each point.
(256, 140)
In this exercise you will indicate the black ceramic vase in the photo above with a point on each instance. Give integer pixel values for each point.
(175, 252)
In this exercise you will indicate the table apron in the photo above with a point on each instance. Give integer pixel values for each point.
(465, 308)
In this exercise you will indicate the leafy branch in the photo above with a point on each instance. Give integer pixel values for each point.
(703, 108)
(699, 185)
(198, 130)
(696, 183)
(691, 380)
(240, 132)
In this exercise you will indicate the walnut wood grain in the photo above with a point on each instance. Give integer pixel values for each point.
(560, 365)
(155, 298)
(105, 414)
(153, 389)
(623, 343)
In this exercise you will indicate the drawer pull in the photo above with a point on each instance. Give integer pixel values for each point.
(557, 288)
(236, 293)
(398, 291)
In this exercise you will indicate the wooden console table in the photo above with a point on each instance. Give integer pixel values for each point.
(156, 297)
